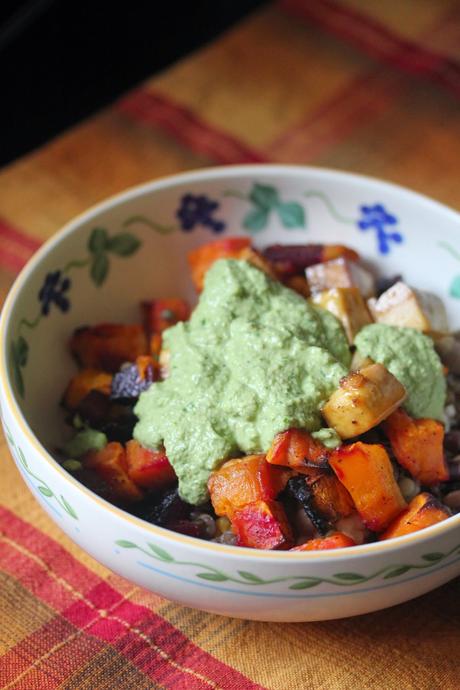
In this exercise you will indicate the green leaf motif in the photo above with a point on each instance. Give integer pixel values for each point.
(123, 244)
(22, 351)
(292, 214)
(22, 459)
(98, 241)
(99, 269)
(306, 583)
(264, 196)
(433, 557)
(455, 287)
(126, 544)
(350, 577)
(213, 577)
(250, 577)
(396, 572)
(67, 507)
(256, 219)
(16, 367)
(45, 491)
(161, 553)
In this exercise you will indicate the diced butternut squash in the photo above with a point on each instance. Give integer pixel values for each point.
(402, 305)
(292, 259)
(159, 314)
(202, 258)
(245, 480)
(262, 525)
(366, 471)
(333, 541)
(84, 382)
(348, 305)
(340, 273)
(110, 464)
(258, 260)
(296, 448)
(363, 399)
(147, 468)
(106, 346)
(418, 446)
(423, 511)
(330, 498)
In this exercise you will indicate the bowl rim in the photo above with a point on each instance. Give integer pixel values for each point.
(211, 173)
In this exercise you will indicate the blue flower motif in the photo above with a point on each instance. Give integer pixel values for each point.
(198, 210)
(377, 218)
(52, 291)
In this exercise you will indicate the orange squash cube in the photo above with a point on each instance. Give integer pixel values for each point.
(338, 540)
(159, 314)
(366, 471)
(418, 446)
(202, 258)
(84, 382)
(262, 525)
(245, 480)
(296, 448)
(107, 345)
(110, 464)
(423, 511)
(150, 469)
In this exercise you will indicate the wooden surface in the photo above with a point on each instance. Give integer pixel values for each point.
(368, 87)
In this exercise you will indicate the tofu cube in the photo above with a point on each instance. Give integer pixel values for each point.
(348, 305)
(402, 305)
(340, 273)
(363, 399)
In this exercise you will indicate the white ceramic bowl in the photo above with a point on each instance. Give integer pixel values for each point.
(150, 229)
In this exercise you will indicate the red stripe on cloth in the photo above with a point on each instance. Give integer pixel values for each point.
(376, 40)
(180, 122)
(16, 247)
(92, 605)
(353, 106)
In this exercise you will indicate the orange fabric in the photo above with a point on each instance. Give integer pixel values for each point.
(368, 87)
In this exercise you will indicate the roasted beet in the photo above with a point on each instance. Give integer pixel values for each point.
(298, 488)
(293, 259)
(165, 509)
(127, 384)
(191, 529)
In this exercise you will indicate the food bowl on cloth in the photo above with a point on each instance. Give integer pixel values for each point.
(76, 279)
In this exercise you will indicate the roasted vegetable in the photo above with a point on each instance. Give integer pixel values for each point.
(298, 284)
(330, 498)
(159, 314)
(150, 469)
(293, 259)
(402, 305)
(363, 400)
(202, 258)
(107, 346)
(348, 305)
(296, 448)
(166, 509)
(262, 525)
(299, 489)
(111, 465)
(84, 382)
(245, 480)
(423, 511)
(418, 446)
(133, 379)
(366, 471)
(340, 273)
(332, 541)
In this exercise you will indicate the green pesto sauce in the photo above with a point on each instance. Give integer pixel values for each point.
(83, 441)
(411, 357)
(255, 359)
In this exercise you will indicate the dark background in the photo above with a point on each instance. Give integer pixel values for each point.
(61, 60)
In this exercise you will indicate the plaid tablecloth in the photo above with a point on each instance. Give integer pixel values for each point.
(371, 87)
